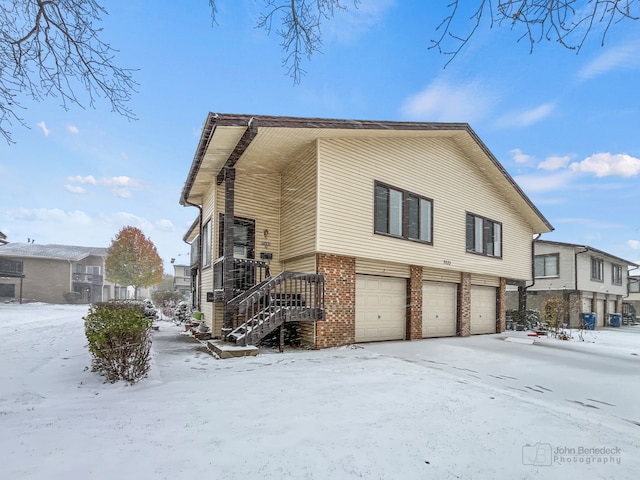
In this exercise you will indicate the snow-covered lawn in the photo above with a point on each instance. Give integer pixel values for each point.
(471, 408)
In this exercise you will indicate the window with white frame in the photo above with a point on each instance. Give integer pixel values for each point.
(93, 269)
(597, 269)
(616, 274)
(484, 236)
(546, 265)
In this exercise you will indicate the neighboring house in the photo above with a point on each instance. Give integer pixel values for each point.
(3, 239)
(589, 279)
(51, 272)
(633, 298)
(182, 279)
(359, 230)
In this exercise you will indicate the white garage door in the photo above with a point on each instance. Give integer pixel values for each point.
(439, 309)
(483, 309)
(380, 308)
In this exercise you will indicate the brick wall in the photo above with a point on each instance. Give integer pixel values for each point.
(464, 302)
(339, 326)
(414, 303)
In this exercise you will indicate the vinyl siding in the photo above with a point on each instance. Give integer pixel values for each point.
(299, 210)
(440, 275)
(566, 279)
(257, 197)
(485, 280)
(606, 286)
(384, 269)
(434, 168)
(208, 208)
(306, 264)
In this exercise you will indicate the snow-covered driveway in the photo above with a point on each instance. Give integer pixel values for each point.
(473, 408)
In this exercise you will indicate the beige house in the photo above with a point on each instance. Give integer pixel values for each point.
(58, 274)
(590, 280)
(54, 273)
(358, 230)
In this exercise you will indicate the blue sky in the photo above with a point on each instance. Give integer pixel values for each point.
(565, 126)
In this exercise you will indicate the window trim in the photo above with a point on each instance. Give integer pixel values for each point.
(600, 263)
(405, 224)
(206, 244)
(614, 267)
(543, 255)
(484, 239)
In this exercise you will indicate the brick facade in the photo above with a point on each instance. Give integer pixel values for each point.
(414, 304)
(339, 326)
(464, 305)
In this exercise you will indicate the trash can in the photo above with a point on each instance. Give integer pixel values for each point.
(588, 320)
(615, 319)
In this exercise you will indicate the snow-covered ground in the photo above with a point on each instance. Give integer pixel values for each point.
(492, 406)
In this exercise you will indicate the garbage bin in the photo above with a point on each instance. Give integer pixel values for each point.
(588, 320)
(615, 319)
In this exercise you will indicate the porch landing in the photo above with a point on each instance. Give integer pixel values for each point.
(230, 350)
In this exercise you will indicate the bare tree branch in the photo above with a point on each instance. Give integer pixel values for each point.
(48, 48)
(299, 28)
(568, 22)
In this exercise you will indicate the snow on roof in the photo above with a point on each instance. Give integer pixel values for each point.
(62, 252)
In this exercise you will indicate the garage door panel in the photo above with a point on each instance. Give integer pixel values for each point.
(380, 308)
(439, 309)
(483, 309)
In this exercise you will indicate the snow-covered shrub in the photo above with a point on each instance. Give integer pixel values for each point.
(150, 311)
(183, 313)
(119, 336)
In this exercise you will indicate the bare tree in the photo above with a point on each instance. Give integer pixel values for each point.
(568, 22)
(298, 24)
(52, 48)
(49, 48)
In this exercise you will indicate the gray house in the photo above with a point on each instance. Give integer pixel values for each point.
(589, 279)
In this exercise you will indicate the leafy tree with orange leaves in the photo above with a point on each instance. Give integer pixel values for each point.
(132, 259)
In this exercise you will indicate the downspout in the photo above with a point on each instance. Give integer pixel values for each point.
(576, 291)
(198, 307)
(523, 300)
(228, 276)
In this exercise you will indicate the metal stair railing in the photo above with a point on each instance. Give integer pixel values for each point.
(288, 297)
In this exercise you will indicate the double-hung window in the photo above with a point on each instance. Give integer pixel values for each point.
(484, 236)
(403, 214)
(616, 274)
(546, 265)
(597, 269)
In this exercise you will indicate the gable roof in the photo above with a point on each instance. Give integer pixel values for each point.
(227, 137)
(55, 252)
(587, 248)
